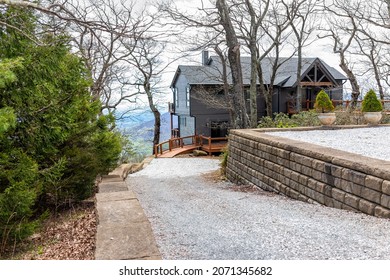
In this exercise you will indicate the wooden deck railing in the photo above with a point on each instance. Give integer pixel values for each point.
(207, 144)
(175, 143)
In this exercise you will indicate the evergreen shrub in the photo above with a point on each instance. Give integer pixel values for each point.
(371, 103)
(323, 104)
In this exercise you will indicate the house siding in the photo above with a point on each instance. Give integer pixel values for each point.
(181, 107)
(197, 113)
(205, 114)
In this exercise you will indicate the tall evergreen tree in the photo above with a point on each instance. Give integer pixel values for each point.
(53, 141)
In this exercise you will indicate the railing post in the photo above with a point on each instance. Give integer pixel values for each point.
(209, 146)
(170, 144)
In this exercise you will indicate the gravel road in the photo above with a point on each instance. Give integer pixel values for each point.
(194, 217)
(370, 141)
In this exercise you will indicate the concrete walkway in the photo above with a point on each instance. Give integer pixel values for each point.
(124, 231)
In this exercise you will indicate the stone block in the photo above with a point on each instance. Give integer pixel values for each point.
(351, 200)
(311, 183)
(336, 171)
(294, 176)
(316, 175)
(327, 190)
(367, 207)
(318, 165)
(357, 189)
(303, 180)
(307, 161)
(385, 201)
(294, 185)
(328, 201)
(306, 170)
(382, 212)
(319, 197)
(373, 183)
(358, 178)
(353, 176)
(294, 194)
(337, 204)
(386, 187)
(346, 174)
(328, 178)
(347, 207)
(338, 194)
(371, 195)
(346, 185)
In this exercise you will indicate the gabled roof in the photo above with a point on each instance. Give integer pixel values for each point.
(286, 75)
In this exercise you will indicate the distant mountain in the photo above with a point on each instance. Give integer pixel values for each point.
(140, 131)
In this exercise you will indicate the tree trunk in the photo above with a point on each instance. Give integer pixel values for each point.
(262, 89)
(352, 79)
(253, 86)
(241, 120)
(299, 71)
(156, 115)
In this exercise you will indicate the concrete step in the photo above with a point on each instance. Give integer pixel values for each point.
(115, 196)
(105, 187)
(120, 212)
(134, 241)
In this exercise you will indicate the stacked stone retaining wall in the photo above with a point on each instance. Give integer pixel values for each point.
(310, 173)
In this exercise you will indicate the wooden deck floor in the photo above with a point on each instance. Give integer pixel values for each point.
(178, 151)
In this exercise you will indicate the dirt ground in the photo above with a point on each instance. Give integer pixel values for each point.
(68, 236)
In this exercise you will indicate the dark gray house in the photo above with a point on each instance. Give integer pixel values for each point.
(199, 102)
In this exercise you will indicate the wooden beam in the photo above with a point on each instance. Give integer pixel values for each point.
(316, 84)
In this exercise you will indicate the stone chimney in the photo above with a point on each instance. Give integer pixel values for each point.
(205, 57)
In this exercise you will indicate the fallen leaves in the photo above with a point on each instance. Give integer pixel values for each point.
(69, 236)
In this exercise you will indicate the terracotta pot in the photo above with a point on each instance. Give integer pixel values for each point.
(327, 118)
(372, 117)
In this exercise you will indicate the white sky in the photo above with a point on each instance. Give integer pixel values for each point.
(320, 48)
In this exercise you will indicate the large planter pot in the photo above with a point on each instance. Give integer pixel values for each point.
(372, 117)
(327, 118)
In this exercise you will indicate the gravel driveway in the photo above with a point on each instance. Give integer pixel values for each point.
(194, 217)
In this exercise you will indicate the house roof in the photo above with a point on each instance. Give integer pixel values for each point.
(286, 75)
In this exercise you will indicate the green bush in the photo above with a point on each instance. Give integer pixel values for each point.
(323, 104)
(371, 103)
(282, 120)
(306, 118)
(53, 140)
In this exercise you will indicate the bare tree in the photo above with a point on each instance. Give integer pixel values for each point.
(250, 32)
(146, 59)
(240, 119)
(301, 14)
(342, 29)
(274, 33)
(373, 52)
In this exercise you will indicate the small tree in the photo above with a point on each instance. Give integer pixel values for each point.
(323, 103)
(371, 103)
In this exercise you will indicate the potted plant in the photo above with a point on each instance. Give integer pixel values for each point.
(371, 108)
(325, 108)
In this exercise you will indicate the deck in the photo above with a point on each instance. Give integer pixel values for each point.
(183, 145)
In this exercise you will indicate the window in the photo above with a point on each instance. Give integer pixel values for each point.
(183, 121)
(188, 96)
(176, 94)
